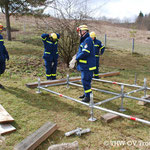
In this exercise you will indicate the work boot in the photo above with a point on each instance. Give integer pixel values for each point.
(82, 96)
(1, 87)
(86, 99)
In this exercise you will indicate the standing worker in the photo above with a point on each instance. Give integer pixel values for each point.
(99, 50)
(3, 55)
(50, 56)
(86, 62)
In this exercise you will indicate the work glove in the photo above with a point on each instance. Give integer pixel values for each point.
(72, 62)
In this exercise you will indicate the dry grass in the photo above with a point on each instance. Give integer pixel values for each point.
(120, 38)
(31, 110)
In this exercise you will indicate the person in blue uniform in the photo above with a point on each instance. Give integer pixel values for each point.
(86, 62)
(99, 50)
(50, 56)
(3, 54)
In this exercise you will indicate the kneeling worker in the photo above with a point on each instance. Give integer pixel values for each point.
(3, 55)
(99, 50)
(50, 54)
(86, 62)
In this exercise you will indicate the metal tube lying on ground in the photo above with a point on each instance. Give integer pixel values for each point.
(119, 83)
(125, 95)
(79, 133)
(73, 132)
(123, 115)
(100, 108)
(54, 84)
(134, 91)
(136, 98)
(108, 92)
(61, 95)
(107, 100)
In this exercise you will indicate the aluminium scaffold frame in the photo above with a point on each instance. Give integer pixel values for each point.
(93, 105)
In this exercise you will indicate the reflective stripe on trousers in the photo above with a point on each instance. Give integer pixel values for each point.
(86, 78)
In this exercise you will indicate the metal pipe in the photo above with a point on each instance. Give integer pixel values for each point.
(53, 84)
(63, 83)
(61, 95)
(73, 132)
(105, 40)
(135, 79)
(133, 45)
(122, 97)
(141, 89)
(100, 108)
(91, 106)
(39, 82)
(145, 87)
(107, 100)
(108, 92)
(79, 133)
(123, 115)
(118, 83)
(136, 98)
(67, 80)
(131, 97)
(104, 91)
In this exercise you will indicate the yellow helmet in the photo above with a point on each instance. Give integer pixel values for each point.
(54, 36)
(92, 35)
(1, 26)
(82, 27)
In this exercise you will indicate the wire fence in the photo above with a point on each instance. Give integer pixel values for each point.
(131, 45)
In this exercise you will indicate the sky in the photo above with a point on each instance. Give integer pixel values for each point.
(121, 9)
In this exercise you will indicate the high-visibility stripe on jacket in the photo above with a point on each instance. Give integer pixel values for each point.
(86, 54)
(50, 47)
(99, 50)
(99, 47)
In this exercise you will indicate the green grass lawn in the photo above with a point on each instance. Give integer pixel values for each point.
(31, 110)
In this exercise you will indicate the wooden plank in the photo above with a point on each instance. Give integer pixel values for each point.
(109, 74)
(4, 115)
(35, 139)
(35, 84)
(109, 117)
(6, 128)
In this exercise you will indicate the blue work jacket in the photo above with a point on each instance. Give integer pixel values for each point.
(99, 48)
(3, 52)
(86, 54)
(50, 47)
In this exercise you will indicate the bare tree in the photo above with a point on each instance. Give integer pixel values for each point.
(10, 7)
(67, 15)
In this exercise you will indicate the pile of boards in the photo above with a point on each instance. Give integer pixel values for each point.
(5, 120)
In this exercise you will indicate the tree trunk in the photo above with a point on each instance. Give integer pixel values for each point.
(8, 28)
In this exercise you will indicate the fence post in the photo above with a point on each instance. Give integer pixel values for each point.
(135, 79)
(105, 40)
(132, 45)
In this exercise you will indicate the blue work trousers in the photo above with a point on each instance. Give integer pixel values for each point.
(2, 67)
(86, 78)
(96, 71)
(51, 67)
